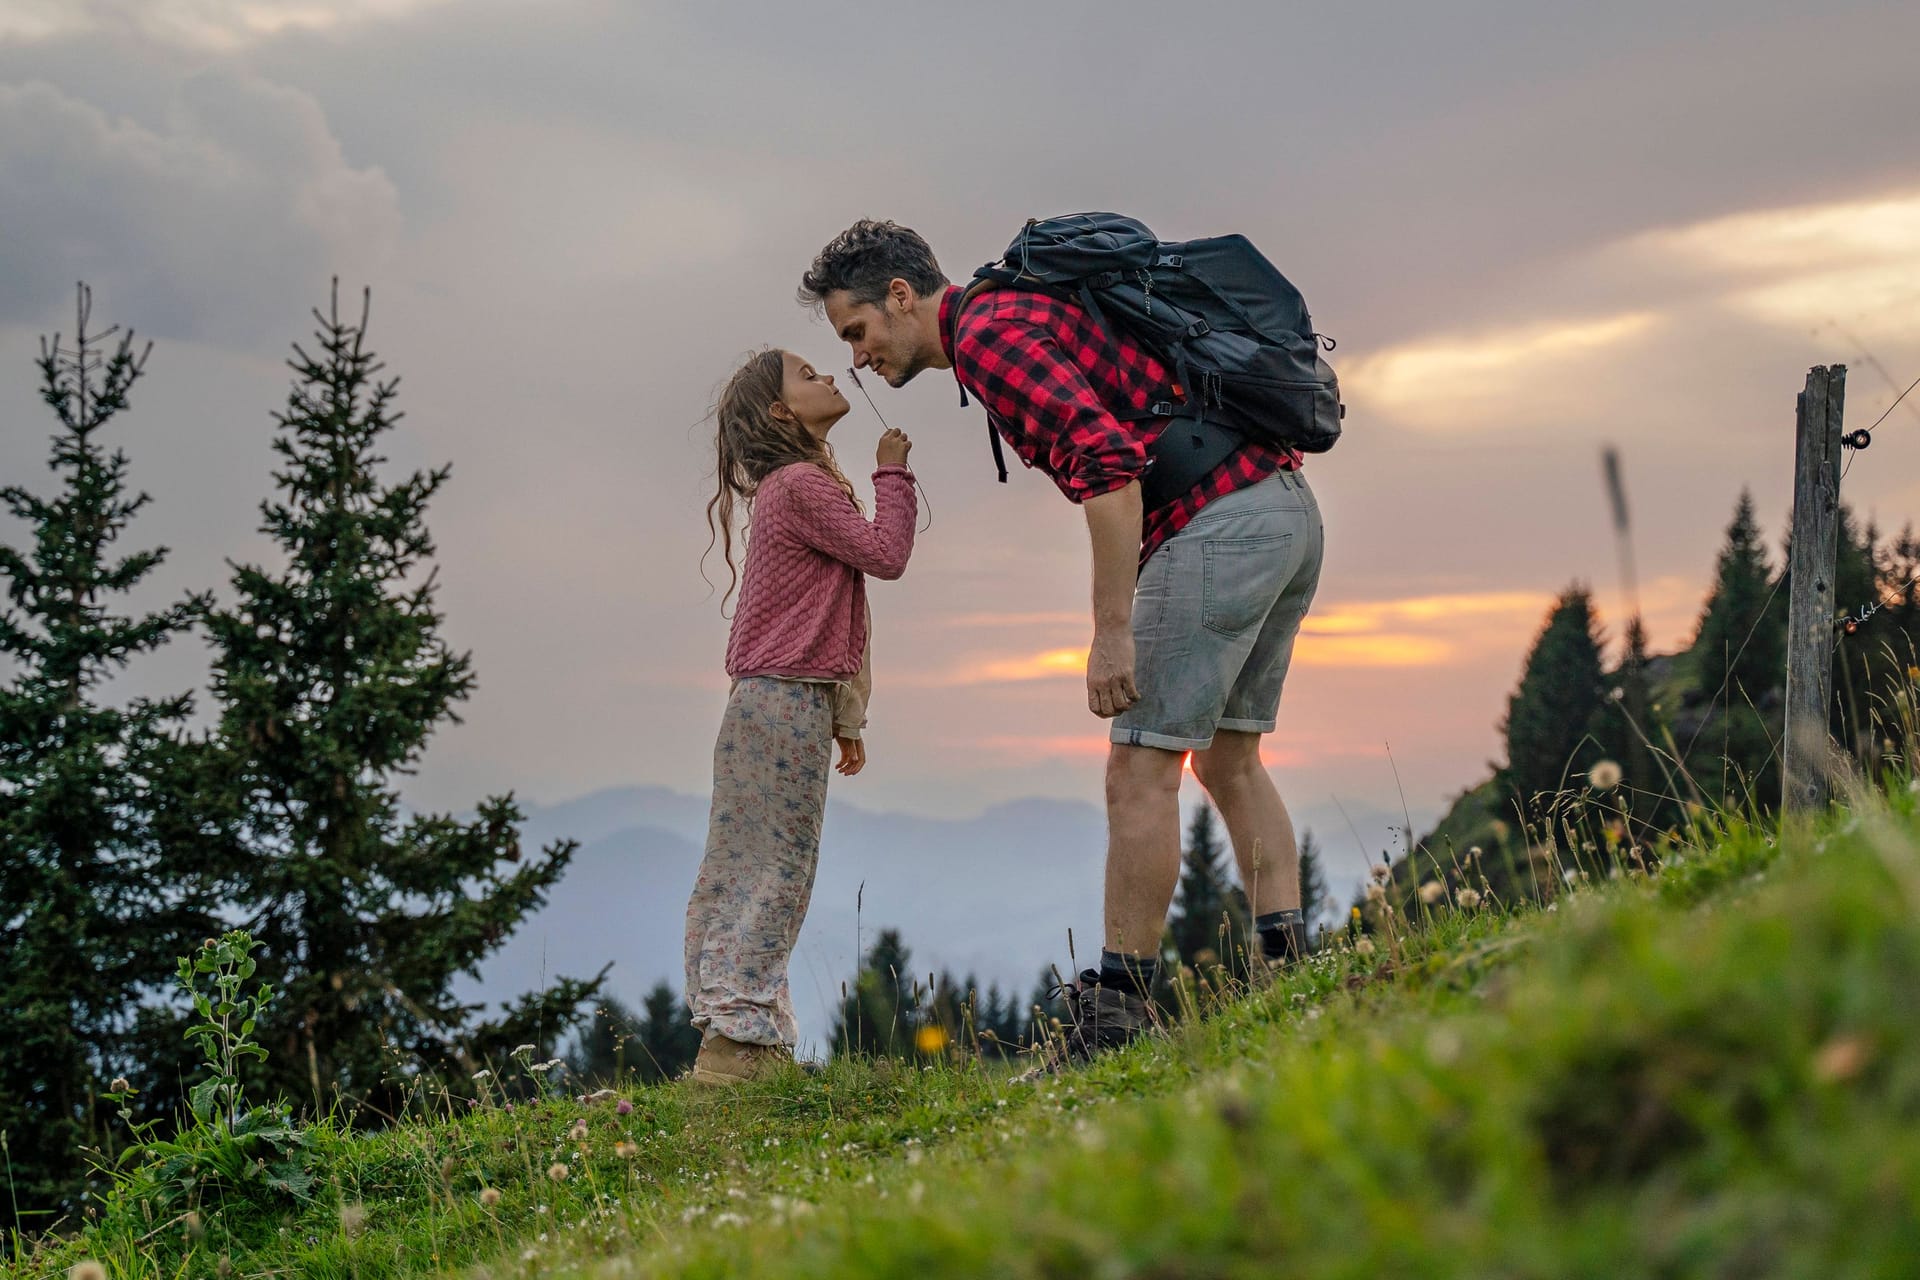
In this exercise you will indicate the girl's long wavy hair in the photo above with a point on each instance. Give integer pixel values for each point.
(752, 443)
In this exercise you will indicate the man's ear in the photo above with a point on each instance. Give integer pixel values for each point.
(901, 293)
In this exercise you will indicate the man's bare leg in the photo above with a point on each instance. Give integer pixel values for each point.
(1256, 818)
(1143, 847)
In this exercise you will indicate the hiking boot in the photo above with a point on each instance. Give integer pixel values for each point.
(1097, 1019)
(723, 1061)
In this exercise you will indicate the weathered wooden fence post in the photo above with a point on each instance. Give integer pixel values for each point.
(1810, 604)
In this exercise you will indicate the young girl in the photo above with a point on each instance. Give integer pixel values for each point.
(797, 655)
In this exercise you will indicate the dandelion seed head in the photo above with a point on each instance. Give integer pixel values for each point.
(1432, 891)
(88, 1270)
(1604, 776)
(557, 1171)
(490, 1197)
(353, 1218)
(1380, 871)
(1469, 899)
(1364, 947)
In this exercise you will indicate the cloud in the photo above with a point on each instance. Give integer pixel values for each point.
(1453, 382)
(208, 226)
(220, 25)
(1802, 265)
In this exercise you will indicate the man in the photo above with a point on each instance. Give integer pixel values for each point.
(1196, 602)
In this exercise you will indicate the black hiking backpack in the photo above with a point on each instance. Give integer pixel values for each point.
(1234, 332)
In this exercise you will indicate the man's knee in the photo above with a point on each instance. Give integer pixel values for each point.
(1142, 775)
(1232, 761)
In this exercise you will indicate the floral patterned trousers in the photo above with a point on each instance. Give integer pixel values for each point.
(763, 843)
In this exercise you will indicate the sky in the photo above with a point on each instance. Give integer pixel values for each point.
(1535, 229)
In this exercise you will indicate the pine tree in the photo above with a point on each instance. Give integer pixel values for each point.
(668, 1041)
(1314, 892)
(1209, 924)
(97, 888)
(330, 676)
(1740, 648)
(601, 1049)
(1555, 715)
(877, 1016)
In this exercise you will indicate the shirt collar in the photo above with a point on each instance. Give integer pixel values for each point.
(947, 302)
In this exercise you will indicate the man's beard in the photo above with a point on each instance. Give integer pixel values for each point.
(907, 374)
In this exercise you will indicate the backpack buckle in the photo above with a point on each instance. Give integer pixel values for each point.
(1161, 408)
(1199, 328)
(1169, 260)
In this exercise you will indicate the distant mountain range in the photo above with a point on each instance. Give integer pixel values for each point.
(993, 895)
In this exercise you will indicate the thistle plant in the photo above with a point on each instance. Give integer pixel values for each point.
(227, 1019)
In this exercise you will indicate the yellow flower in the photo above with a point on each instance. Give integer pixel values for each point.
(931, 1038)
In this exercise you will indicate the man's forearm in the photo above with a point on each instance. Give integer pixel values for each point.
(1113, 522)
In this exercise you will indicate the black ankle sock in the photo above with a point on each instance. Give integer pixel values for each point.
(1129, 973)
(1283, 934)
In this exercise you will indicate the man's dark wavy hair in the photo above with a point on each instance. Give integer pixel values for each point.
(864, 258)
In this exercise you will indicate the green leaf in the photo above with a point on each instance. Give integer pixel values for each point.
(202, 1099)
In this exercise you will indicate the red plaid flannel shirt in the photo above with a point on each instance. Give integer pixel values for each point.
(1046, 373)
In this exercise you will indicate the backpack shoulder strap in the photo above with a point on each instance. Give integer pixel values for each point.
(967, 294)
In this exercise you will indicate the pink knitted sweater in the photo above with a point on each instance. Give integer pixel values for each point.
(803, 599)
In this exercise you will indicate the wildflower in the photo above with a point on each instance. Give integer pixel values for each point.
(120, 1085)
(523, 1048)
(1376, 893)
(579, 1131)
(1356, 915)
(626, 1150)
(1604, 776)
(541, 1067)
(1469, 899)
(483, 1074)
(353, 1218)
(1432, 891)
(1840, 1060)
(623, 1107)
(729, 1220)
(556, 1064)
(1364, 947)
(558, 1172)
(490, 1196)
(88, 1270)
(1380, 871)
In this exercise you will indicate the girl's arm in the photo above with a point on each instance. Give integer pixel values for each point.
(826, 521)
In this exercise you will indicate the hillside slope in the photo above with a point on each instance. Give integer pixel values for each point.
(1712, 1070)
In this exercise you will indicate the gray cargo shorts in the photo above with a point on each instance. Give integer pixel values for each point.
(1215, 615)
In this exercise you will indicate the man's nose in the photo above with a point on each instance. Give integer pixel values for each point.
(860, 359)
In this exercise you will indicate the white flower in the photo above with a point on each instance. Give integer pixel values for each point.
(525, 1048)
(483, 1074)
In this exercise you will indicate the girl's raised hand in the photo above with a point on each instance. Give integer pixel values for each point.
(853, 756)
(894, 447)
